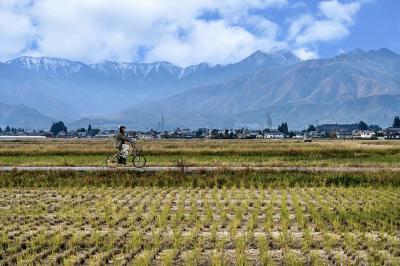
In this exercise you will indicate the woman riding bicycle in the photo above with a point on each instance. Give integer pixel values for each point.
(119, 144)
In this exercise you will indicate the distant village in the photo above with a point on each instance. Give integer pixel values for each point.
(334, 131)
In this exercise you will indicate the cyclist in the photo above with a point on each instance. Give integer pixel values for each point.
(120, 143)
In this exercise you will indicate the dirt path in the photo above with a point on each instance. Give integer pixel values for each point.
(206, 168)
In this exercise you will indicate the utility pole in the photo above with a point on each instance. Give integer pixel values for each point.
(162, 121)
(269, 122)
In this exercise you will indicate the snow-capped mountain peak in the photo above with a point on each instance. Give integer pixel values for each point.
(272, 57)
(45, 64)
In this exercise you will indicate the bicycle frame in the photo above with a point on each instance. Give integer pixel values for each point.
(135, 151)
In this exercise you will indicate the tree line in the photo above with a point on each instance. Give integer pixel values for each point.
(284, 128)
(58, 127)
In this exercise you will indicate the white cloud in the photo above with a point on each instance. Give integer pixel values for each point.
(215, 41)
(305, 53)
(339, 12)
(175, 30)
(95, 30)
(324, 30)
(298, 25)
(331, 23)
(16, 29)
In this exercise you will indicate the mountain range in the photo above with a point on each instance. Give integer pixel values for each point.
(67, 90)
(277, 84)
(21, 116)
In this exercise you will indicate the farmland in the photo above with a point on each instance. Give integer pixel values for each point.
(201, 218)
(146, 225)
(207, 153)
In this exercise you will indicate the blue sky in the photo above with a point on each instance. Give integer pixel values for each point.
(188, 32)
(377, 25)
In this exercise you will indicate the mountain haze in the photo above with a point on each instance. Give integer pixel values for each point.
(345, 88)
(357, 85)
(68, 89)
(20, 116)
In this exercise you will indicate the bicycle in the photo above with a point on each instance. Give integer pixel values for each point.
(138, 159)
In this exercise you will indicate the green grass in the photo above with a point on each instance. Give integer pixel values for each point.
(207, 153)
(208, 160)
(223, 178)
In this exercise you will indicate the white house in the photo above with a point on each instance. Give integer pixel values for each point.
(364, 134)
(274, 135)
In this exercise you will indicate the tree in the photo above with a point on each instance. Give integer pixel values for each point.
(362, 125)
(396, 121)
(89, 129)
(284, 128)
(8, 129)
(1, 130)
(58, 127)
(311, 128)
(200, 132)
(94, 132)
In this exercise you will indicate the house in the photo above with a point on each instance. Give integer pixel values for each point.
(274, 135)
(298, 136)
(243, 134)
(61, 134)
(190, 135)
(81, 134)
(344, 134)
(392, 133)
(259, 136)
(255, 133)
(363, 134)
(145, 136)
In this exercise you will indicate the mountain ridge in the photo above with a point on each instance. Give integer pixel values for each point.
(47, 63)
(206, 95)
(69, 89)
(315, 83)
(22, 116)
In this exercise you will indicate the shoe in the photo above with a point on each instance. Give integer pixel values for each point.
(121, 160)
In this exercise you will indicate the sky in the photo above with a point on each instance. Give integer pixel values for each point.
(187, 32)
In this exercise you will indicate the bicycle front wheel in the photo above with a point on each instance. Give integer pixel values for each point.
(139, 161)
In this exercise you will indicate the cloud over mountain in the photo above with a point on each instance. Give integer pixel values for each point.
(182, 32)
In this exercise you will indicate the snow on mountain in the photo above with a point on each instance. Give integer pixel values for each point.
(128, 70)
(187, 71)
(65, 89)
(143, 70)
(55, 65)
(270, 58)
(357, 84)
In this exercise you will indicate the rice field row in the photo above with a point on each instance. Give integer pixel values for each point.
(197, 226)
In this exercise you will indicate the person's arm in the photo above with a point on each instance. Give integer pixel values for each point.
(125, 138)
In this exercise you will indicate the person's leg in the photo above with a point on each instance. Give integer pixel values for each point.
(125, 151)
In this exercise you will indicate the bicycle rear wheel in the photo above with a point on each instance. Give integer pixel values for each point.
(112, 161)
(139, 161)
